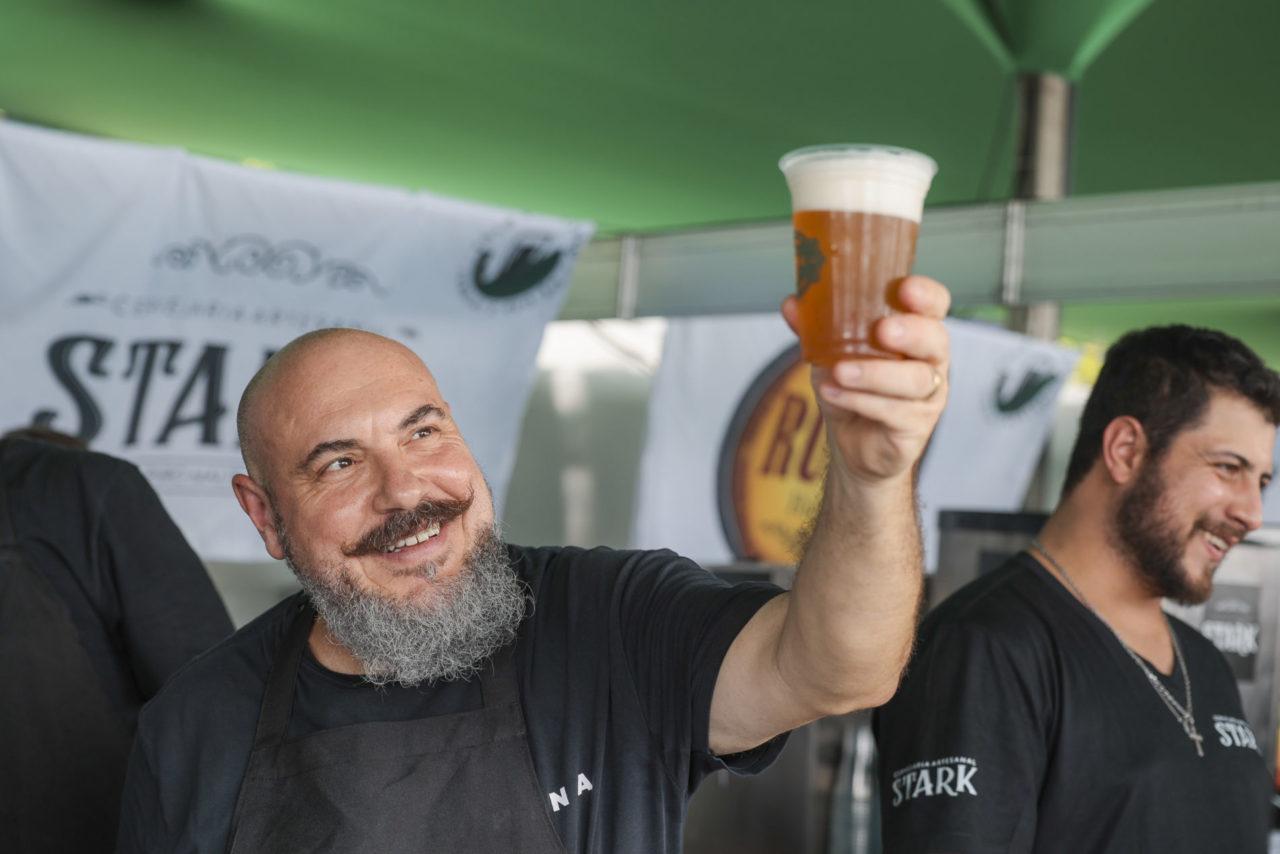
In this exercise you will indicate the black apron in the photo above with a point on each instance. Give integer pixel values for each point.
(63, 743)
(460, 783)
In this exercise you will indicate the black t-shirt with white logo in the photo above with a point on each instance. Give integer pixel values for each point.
(616, 665)
(1022, 725)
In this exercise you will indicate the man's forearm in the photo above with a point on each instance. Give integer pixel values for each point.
(856, 596)
(840, 639)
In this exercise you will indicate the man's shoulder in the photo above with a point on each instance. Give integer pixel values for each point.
(596, 557)
(600, 566)
(228, 676)
(594, 586)
(993, 639)
(1013, 602)
(194, 740)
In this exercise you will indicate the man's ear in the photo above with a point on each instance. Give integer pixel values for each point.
(256, 503)
(1124, 447)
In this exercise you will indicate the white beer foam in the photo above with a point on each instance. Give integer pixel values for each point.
(886, 181)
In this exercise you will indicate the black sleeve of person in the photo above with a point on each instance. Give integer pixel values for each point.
(141, 806)
(963, 744)
(170, 611)
(677, 621)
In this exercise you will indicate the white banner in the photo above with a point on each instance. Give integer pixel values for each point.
(733, 463)
(140, 288)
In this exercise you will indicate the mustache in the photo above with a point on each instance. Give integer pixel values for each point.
(406, 522)
(1231, 533)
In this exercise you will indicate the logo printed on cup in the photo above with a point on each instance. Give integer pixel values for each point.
(856, 211)
(809, 261)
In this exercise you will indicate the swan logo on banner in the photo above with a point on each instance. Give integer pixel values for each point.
(1020, 385)
(513, 262)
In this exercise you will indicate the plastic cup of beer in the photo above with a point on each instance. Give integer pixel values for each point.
(856, 212)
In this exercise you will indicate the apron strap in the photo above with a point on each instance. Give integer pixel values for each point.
(277, 701)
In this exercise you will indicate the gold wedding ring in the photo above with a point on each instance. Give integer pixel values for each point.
(937, 384)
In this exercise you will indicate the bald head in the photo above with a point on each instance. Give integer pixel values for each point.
(284, 378)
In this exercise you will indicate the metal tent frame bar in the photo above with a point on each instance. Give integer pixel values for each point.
(1212, 242)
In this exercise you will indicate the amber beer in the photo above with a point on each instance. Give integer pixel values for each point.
(856, 214)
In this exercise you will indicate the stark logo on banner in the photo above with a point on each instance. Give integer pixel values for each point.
(137, 321)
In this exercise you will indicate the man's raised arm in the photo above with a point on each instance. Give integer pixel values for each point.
(838, 641)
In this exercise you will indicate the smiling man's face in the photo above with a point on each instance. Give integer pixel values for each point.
(363, 483)
(368, 472)
(1190, 506)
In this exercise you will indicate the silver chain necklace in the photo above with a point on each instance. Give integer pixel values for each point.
(1182, 713)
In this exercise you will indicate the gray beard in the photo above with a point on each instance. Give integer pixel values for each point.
(467, 619)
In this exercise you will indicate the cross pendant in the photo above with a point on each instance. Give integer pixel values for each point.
(1189, 727)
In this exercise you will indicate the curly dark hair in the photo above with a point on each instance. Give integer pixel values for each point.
(1163, 376)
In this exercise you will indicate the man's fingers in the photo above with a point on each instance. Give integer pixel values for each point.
(914, 336)
(889, 411)
(922, 295)
(906, 380)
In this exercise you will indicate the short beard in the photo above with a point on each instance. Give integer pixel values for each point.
(464, 620)
(1147, 536)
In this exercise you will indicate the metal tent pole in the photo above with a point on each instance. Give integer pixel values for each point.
(1042, 173)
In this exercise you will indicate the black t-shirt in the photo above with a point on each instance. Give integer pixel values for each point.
(94, 530)
(615, 664)
(1022, 725)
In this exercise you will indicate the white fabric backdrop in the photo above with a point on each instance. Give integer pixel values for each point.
(980, 457)
(140, 288)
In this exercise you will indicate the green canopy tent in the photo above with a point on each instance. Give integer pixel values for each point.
(664, 117)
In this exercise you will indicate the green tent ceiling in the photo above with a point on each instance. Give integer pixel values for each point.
(1042, 35)
(640, 115)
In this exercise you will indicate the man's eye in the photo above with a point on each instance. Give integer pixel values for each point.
(423, 431)
(340, 463)
(1228, 468)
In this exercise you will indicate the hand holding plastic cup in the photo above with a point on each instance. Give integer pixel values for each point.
(856, 211)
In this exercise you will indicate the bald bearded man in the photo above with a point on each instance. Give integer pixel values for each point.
(434, 689)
